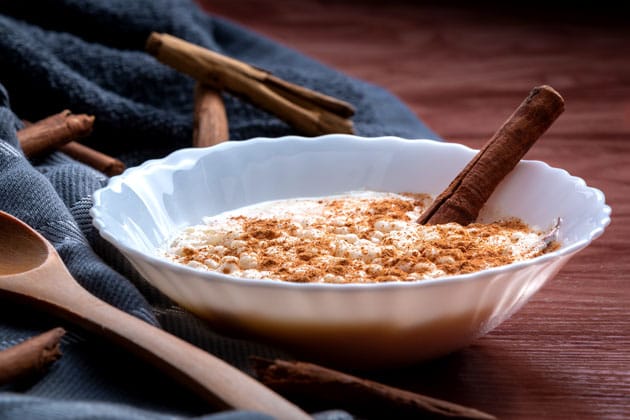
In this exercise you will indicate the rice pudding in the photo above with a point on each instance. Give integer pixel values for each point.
(358, 237)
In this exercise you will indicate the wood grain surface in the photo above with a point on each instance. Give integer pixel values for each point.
(463, 70)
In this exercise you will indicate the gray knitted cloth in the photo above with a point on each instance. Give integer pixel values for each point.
(88, 56)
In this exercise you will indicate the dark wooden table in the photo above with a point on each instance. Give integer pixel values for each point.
(463, 70)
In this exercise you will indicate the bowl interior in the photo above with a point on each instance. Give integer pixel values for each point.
(149, 204)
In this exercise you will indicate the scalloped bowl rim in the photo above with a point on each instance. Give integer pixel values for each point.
(179, 158)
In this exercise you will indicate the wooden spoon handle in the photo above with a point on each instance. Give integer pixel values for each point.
(216, 381)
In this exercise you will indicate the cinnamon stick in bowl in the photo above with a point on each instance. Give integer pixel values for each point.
(462, 200)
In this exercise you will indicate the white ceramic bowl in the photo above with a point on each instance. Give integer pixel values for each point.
(354, 325)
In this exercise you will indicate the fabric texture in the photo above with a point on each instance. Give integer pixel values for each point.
(88, 56)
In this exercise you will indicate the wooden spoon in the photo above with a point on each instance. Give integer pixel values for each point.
(32, 271)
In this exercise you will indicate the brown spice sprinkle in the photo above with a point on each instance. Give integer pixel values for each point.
(353, 239)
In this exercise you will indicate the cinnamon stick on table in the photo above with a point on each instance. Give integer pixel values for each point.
(30, 357)
(210, 124)
(462, 200)
(310, 112)
(46, 135)
(309, 382)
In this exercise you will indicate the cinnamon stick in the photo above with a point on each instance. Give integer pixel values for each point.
(59, 132)
(310, 382)
(31, 357)
(462, 200)
(46, 135)
(109, 165)
(210, 124)
(310, 112)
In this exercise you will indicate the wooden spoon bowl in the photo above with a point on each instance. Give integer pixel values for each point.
(31, 271)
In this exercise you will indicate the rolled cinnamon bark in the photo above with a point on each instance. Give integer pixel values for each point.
(320, 386)
(30, 357)
(310, 112)
(109, 165)
(59, 131)
(46, 135)
(462, 200)
(210, 124)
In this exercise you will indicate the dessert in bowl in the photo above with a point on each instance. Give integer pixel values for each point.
(355, 324)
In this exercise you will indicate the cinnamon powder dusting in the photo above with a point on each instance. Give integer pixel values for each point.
(356, 238)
